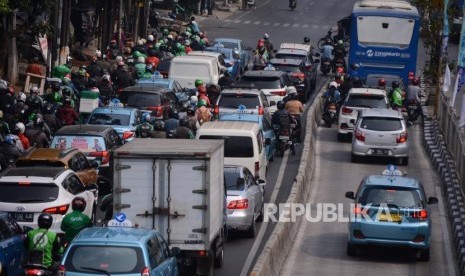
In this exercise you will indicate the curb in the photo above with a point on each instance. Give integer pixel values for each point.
(436, 147)
(271, 260)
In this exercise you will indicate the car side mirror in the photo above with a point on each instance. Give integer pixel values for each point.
(92, 187)
(267, 141)
(432, 200)
(272, 103)
(350, 195)
(95, 164)
(175, 251)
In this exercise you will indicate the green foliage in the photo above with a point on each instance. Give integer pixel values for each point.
(4, 8)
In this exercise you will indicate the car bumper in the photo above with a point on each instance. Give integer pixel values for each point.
(345, 126)
(361, 149)
(389, 243)
(240, 220)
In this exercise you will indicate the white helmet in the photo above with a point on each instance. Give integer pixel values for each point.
(119, 58)
(291, 90)
(150, 38)
(333, 83)
(194, 100)
(266, 36)
(98, 53)
(21, 127)
(170, 36)
(140, 42)
(141, 59)
(21, 97)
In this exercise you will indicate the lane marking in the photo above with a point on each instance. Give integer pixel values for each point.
(261, 233)
(257, 23)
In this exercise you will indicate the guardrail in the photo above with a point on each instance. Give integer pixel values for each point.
(271, 260)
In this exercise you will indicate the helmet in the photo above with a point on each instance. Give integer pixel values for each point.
(21, 127)
(198, 82)
(395, 84)
(150, 37)
(306, 39)
(333, 83)
(381, 82)
(78, 203)
(98, 53)
(106, 78)
(194, 100)
(340, 42)
(10, 139)
(1, 114)
(55, 86)
(21, 97)
(45, 220)
(141, 60)
(146, 117)
(67, 101)
(190, 111)
(355, 66)
(173, 113)
(165, 31)
(159, 125)
(328, 42)
(170, 37)
(184, 121)
(202, 102)
(202, 89)
(416, 81)
(34, 89)
(48, 108)
(266, 36)
(280, 105)
(260, 43)
(66, 92)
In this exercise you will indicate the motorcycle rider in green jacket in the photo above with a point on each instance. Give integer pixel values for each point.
(75, 221)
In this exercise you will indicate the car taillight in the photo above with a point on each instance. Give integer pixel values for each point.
(145, 272)
(34, 272)
(411, 75)
(279, 93)
(57, 210)
(402, 138)
(358, 234)
(359, 135)
(346, 110)
(421, 214)
(261, 111)
(128, 134)
(158, 110)
(61, 270)
(300, 76)
(239, 204)
(419, 238)
(257, 169)
(202, 253)
(216, 110)
(101, 154)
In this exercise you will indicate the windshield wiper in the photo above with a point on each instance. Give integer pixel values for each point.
(96, 270)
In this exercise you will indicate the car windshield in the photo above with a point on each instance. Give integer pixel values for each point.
(261, 82)
(14, 192)
(391, 196)
(234, 100)
(109, 119)
(229, 45)
(381, 123)
(373, 101)
(89, 259)
(233, 181)
(289, 56)
(142, 100)
(234, 146)
(287, 67)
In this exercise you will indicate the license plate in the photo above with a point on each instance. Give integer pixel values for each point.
(22, 217)
(284, 137)
(390, 217)
(380, 152)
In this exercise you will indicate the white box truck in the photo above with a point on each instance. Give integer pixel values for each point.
(175, 186)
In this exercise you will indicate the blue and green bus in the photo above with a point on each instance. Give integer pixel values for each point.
(384, 38)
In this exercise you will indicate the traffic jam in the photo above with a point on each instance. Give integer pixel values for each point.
(154, 155)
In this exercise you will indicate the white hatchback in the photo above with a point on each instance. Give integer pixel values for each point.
(27, 192)
(357, 100)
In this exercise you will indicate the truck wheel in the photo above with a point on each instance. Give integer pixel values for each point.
(219, 258)
(252, 232)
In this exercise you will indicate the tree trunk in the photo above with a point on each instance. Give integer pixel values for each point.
(12, 51)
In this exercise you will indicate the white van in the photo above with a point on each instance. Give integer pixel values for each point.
(218, 56)
(186, 69)
(243, 144)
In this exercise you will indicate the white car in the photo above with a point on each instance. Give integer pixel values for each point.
(27, 192)
(357, 100)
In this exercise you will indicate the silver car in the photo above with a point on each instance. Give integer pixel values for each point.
(244, 199)
(380, 133)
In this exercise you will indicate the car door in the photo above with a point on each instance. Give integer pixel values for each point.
(74, 185)
(245, 55)
(268, 133)
(171, 261)
(17, 244)
(89, 172)
(252, 191)
(158, 265)
(10, 247)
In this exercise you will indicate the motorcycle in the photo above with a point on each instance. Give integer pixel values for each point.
(285, 139)
(296, 128)
(412, 111)
(323, 40)
(325, 66)
(36, 270)
(292, 4)
(251, 4)
(339, 67)
(330, 114)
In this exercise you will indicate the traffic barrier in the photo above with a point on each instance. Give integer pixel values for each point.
(277, 247)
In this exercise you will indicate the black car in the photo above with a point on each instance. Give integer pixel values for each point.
(302, 79)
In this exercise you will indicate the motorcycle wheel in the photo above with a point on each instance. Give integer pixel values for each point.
(321, 43)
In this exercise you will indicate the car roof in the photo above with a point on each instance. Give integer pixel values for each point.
(240, 90)
(237, 126)
(393, 181)
(234, 169)
(205, 53)
(49, 172)
(295, 46)
(286, 61)
(141, 88)
(228, 39)
(365, 90)
(113, 109)
(48, 154)
(245, 117)
(382, 112)
(292, 51)
(113, 234)
(84, 130)
(263, 73)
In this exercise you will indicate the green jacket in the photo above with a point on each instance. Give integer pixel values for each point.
(396, 98)
(73, 223)
(47, 246)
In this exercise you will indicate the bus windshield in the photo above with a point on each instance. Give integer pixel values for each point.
(384, 31)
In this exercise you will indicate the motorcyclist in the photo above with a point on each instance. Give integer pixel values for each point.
(202, 90)
(20, 128)
(292, 2)
(75, 221)
(268, 44)
(4, 128)
(158, 130)
(172, 122)
(183, 131)
(43, 244)
(340, 53)
(66, 113)
(50, 118)
(353, 72)
(193, 123)
(295, 108)
(9, 151)
(202, 113)
(281, 121)
(414, 94)
(36, 135)
(144, 128)
(226, 80)
(396, 97)
(327, 50)
(331, 95)
(261, 49)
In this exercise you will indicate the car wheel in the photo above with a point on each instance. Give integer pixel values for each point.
(354, 158)
(424, 255)
(403, 161)
(219, 259)
(262, 213)
(351, 250)
(252, 232)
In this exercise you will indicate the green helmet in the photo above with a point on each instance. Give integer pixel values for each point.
(202, 102)
(340, 42)
(198, 82)
(165, 31)
(189, 30)
(157, 45)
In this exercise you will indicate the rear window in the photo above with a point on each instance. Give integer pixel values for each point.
(381, 124)
(111, 259)
(190, 69)
(234, 146)
(392, 196)
(233, 181)
(230, 45)
(234, 100)
(84, 143)
(142, 100)
(109, 119)
(286, 67)
(261, 82)
(289, 56)
(13, 192)
(374, 101)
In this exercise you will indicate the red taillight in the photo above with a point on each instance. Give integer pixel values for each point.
(359, 135)
(402, 138)
(145, 272)
(411, 75)
(300, 76)
(422, 214)
(358, 234)
(57, 210)
(257, 169)
(202, 253)
(346, 110)
(419, 238)
(309, 67)
(216, 110)
(279, 93)
(61, 270)
(128, 134)
(261, 111)
(24, 183)
(239, 204)
(34, 271)
(102, 154)
(158, 110)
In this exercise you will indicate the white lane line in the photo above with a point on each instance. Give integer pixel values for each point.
(445, 232)
(296, 25)
(227, 20)
(276, 24)
(315, 26)
(261, 233)
(257, 23)
(247, 22)
(286, 25)
(266, 23)
(305, 26)
(237, 21)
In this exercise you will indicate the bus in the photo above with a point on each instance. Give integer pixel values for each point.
(384, 38)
